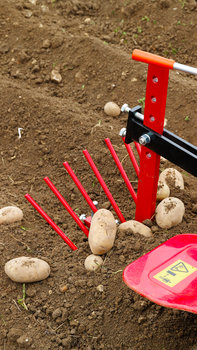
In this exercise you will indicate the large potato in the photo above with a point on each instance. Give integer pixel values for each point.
(169, 212)
(172, 177)
(93, 262)
(10, 214)
(25, 269)
(135, 227)
(102, 232)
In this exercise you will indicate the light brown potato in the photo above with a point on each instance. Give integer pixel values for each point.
(169, 212)
(163, 191)
(102, 232)
(93, 262)
(135, 227)
(112, 109)
(10, 214)
(172, 177)
(25, 269)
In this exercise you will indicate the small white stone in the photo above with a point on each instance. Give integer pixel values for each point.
(87, 20)
(93, 262)
(102, 232)
(100, 288)
(112, 109)
(10, 214)
(169, 212)
(172, 177)
(133, 226)
(56, 76)
(26, 269)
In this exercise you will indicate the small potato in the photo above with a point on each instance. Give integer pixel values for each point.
(163, 191)
(135, 227)
(25, 269)
(172, 177)
(169, 212)
(92, 262)
(112, 109)
(10, 214)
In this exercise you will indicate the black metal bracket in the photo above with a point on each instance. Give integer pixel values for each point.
(168, 145)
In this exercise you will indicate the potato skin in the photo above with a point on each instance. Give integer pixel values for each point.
(25, 269)
(10, 214)
(169, 212)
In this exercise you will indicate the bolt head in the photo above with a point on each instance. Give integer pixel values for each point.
(122, 132)
(125, 108)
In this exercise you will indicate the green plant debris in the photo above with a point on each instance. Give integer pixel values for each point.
(146, 18)
(25, 228)
(142, 101)
(139, 29)
(22, 300)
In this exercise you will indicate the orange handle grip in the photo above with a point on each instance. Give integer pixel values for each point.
(147, 57)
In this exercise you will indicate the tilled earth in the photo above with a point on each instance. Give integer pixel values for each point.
(89, 44)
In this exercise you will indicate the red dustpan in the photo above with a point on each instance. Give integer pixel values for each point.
(167, 275)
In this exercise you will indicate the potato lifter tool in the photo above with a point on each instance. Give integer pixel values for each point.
(168, 274)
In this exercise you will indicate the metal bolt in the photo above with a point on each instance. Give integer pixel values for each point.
(122, 132)
(144, 139)
(125, 108)
(82, 217)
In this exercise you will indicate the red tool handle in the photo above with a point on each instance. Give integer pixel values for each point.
(147, 57)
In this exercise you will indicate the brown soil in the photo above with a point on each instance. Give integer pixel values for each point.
(89, 43)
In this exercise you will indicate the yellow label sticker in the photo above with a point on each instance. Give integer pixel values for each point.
(175, 273)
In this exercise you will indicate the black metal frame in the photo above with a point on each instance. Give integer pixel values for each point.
(168, 145)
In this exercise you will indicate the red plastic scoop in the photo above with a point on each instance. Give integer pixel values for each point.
(167, 275)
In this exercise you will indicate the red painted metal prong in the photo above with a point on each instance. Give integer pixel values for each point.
(103, 185)
(87, 221)
(50, 222)
(80, 187)
(121, 169)
(66, 206)
(138, 148)
(132, 157)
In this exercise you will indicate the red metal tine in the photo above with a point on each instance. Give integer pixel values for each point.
(66, 206)
(50, 222)
(103, 185)
(138, 148)
(121, 169)
(154, 113)
(132, 157)
(80, 187)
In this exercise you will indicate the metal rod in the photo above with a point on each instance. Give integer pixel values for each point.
(138, 148)
(80, 187)
(132, 157)
(121, 169)
(103, 185)
(66, 206)
(50, 222)
(185, 68)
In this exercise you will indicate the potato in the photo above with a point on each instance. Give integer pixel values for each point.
(25, 269)
(172, 177)
(112, 109)
(163, 191)
(134, 227)
(102, 232)
(169, 212)
(92, 262)
(10, 214)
